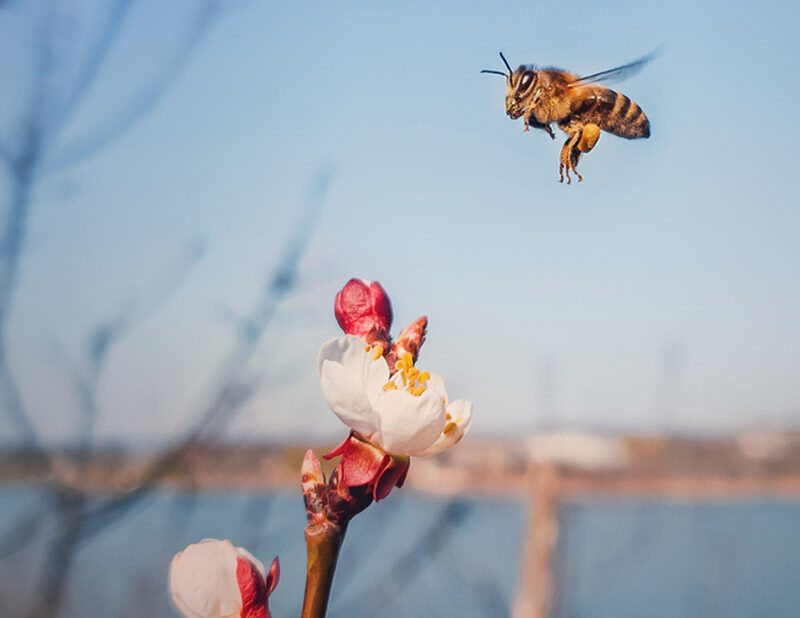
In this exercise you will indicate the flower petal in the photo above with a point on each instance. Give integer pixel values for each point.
(409, 424)
(347, 374)
(461, 414)
(202, 580)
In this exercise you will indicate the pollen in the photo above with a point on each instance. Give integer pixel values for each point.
(413, 379)
(449, 428)
(390, 386)
(377, 352)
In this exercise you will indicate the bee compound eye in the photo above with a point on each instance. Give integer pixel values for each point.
(526, 79)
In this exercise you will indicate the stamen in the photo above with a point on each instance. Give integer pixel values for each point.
(377, 352)
(449, 428)
(413, 379)
(390, 386)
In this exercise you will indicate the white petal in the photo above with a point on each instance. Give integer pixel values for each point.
(436, 383)
(347, 374)
(202, 580)
(409, 424)
(461, 413)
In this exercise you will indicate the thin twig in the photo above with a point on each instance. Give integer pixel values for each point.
(139, 106)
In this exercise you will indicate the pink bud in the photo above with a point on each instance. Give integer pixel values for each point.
(363, 306)
(214, 579)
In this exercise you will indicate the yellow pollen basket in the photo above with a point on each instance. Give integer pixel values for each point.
(413, 379)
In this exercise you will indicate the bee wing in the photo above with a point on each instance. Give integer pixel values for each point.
(618, 73)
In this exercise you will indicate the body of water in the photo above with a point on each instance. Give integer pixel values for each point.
(417, 555)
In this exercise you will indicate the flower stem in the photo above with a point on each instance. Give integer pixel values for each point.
(323, 541)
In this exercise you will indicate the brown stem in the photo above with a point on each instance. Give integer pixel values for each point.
(323, 541)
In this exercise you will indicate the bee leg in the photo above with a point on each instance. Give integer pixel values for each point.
(581, 140)
(532, 122)
(569, 158)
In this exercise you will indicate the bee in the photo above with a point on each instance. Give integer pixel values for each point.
(579, 106)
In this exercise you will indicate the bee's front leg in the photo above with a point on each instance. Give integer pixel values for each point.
(530, 121)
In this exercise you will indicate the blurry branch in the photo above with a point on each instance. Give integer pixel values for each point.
(12, 235)
(230, 392)
(409, 566)
(78, 519)
(484, 585)
(67, 499)
(5, 155)
(25, 163)
(108, 333)
(142, 103)
(100, 342)
(94, 61)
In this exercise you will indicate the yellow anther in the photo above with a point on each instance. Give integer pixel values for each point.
(390, 386)
(377, 352)
(449, 428)
(408, 359)
(447, 415)
(416, 390)
(423, 377)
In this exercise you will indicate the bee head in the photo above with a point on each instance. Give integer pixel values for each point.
(520, 84)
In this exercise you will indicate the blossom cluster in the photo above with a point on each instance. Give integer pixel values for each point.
(395, 411)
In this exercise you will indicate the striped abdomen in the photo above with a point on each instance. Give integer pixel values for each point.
(611, 111)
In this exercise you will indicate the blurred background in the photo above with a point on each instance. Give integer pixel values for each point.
(185, 186)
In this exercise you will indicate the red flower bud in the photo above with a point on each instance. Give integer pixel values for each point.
(363, 306)
(214, 579)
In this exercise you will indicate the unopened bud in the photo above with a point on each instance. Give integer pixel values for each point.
(409, 341)
(363, 306)
(214, 579)
(312, 481)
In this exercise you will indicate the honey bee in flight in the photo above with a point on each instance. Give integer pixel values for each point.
(579, 106)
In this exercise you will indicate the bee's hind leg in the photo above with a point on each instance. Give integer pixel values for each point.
(569, 158)
(581, 139)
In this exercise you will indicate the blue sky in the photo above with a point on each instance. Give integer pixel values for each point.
(660, 293)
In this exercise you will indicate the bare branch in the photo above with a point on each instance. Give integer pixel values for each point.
(105, 335)
(408, 566)
(142, 103)
(94, 62)
(231, 391)
(12, 235)
(6, 156)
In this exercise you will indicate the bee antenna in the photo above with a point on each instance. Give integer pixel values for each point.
(508, 66)
(495, 72)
